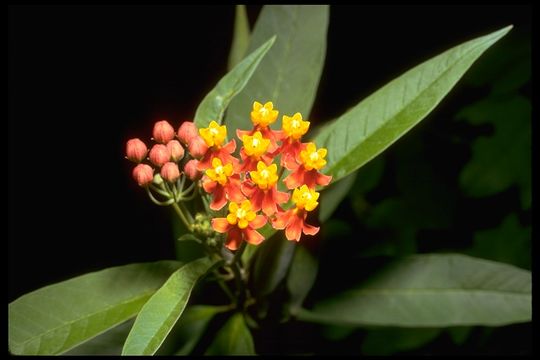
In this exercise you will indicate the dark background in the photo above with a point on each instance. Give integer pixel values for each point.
(85, 79)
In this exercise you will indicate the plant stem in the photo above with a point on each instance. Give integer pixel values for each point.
(181, 215)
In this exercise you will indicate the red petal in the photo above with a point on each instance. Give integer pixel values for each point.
(268, 204)
(219, 200)
(234, 193)
(241, 133)
(230, 146)
(208, 185)
(257, 199)
(221, 225)
(323, 180)
(310, 178)
(258, 222)
(295, 179)
(294, 230)
(280, 197)
(282, 220)
(234, 238)
(310, 229)
(289, 162)
(248, 189)
(205, 162)
(252, 236)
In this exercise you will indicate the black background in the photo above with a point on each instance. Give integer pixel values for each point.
(84, 79)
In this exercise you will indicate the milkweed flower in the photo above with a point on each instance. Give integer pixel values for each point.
(187, 131)
(263, 189)
(253, 150)
(240, 225)
(170, 172)
(306, 172)
(159, 154)
(136, 150)
(262, 116)
(221, 181)
(293, 130)
(293, 220)
(176, 150)
(143, 174)
(190, 169)
(214, 136)
(163, 132)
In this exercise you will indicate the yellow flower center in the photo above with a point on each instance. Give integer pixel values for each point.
(255, 145)
(294, 127)
(265, 176)
(214, 134)
(312, 158)
(219, 172)
(263, 115)
(305, 198)
(241, 214)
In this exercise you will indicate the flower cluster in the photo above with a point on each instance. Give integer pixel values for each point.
(250, 183)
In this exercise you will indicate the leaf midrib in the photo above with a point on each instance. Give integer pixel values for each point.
(384, 123)
(147, 294)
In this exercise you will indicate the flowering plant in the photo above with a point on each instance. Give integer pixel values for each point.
(247, 178)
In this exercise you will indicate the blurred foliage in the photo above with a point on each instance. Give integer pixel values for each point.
(462, 185)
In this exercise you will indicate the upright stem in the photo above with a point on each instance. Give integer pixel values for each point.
(181, 215)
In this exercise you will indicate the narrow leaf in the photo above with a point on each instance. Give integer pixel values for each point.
(378, 121)
(301, 277)
(107, 343)
(433, 291)
(58, 317)
(160, 313)
(216, 101)
(289, 74)
(240, 42)
(233, 339)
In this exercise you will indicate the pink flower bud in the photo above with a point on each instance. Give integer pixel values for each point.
(176, 150)
(136, 150)
(163, 132)
(190, 169)
(170, 172)
(143, 174)
(159, 154)
(188, 130)
(197, 147)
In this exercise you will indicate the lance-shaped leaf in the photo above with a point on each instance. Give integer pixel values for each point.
(289, 74)
(433, 291)
(378, 121)
(240, 42)
(213, 106)
(233, 339)
(164, 308)
(58, 317)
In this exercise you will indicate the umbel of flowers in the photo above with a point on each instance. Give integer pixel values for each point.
(272, 180)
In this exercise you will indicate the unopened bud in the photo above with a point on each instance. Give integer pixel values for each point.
(190, 169)
(143, 174)
(176, 150)
(159, 154)
(197, 147)
(188, 130)
(136, 150)
(170, 172)
(163, 132)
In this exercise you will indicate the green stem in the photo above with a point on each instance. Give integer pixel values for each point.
(239, 252)
(187, 212)
(240, 286)
(182, 216)
(157, 202)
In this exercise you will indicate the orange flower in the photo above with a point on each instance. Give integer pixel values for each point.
(240, 224)
(263, 190)
(214, 136)
(293, 220)
(253, 151)
(262, 116)
(293, 130)
(311, 160)
(222, 183)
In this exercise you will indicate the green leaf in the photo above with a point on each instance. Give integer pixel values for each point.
(58, 317)
(188, 331)
(504, 158)
(332, 196)
(240, 42)
(108, 343)
(509, 242)
(164, 308)
(387, 341)
(378, 121)
(301, 277)
(233, 339)
(289, 75)
(433, 291)
(213, 106)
